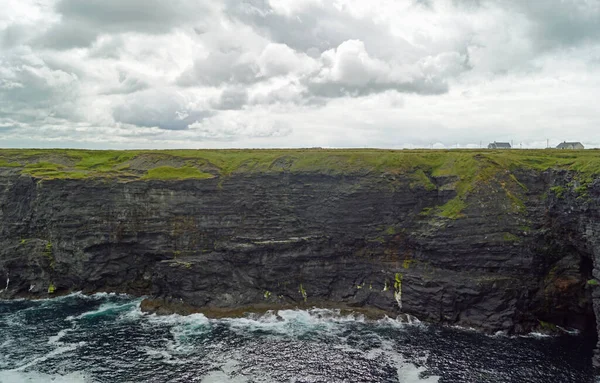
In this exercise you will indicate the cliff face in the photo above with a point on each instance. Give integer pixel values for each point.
(518, 251)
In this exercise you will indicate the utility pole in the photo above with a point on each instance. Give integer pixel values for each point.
(547, 143)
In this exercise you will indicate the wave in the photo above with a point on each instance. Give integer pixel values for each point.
(57, 351)
(293, 322)
(532, 334)
(75, 294)
(401, 321)
(407, 372)
(38, 377)
(286, 323)
(56, 338)
(109, 308)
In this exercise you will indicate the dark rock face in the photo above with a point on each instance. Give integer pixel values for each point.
(520, 255)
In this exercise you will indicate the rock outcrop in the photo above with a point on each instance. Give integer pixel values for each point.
(518, 251)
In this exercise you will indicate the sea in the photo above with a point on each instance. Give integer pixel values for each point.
(107, 338)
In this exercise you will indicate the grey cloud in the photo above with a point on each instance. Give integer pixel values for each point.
(7, 126)
(32, 91)
(231, 99)
(154, 108)
(317, 27)
(555, 23)
(109, 48)
(221, 68)
(323, 27)
(84, 20)
(70, 34)
(350, 71)
(562, 22)
(14, 35)
(127, 85)
(335, 90)
(290, 93)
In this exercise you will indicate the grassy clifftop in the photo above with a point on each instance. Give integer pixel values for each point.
(469, 169)
(174, 164)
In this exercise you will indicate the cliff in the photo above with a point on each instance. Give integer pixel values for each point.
(500, 241)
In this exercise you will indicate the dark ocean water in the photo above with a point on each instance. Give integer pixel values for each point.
(106, 338)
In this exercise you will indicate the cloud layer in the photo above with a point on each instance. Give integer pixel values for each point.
(298, 73)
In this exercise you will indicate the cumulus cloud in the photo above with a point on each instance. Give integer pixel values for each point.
(564, 22)
(82, 21)
(220, 68)
(158, 108)
(31, 91)
(231, 98)
(281, 60)
(150, 73)
(350, 70)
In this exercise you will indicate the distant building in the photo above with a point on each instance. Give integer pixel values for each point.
(570, 145)
(499, 145)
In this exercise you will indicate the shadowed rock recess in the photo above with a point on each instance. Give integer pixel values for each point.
(499, 241)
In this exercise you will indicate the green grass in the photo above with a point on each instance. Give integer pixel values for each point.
(469, 166)
(391, 230)
(420, 179)
(47, 170)
(453, 209)
(547, 326)
(558, 191)
(6, 164)
(465, 171)
(171, 173)
(509, 237)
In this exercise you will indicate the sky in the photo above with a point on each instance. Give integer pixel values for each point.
(298, 73)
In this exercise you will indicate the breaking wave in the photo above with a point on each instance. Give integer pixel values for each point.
(106, 338)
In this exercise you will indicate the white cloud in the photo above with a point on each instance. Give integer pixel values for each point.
(198, 73)
(230, 127)
(281, 60)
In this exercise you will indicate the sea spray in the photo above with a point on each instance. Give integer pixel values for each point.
(107, 338)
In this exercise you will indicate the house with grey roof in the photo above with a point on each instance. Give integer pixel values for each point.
(570, 145)
(499, 145)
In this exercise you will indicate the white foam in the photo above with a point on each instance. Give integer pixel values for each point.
(401, 321)
(410, 373)
(59, 350)
(294, 322)
(407, 372)
(105, 308)
(176, 319)
(227, 374)
(37, 377)
(538, 335)
(165, 355)
(7, 343)
(56, 338)
(282, 322)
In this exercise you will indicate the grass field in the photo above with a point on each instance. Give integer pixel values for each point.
(182, 164)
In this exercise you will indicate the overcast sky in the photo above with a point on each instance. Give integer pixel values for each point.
(298, 73)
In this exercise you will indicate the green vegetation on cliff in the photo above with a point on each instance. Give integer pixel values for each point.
(171, 173)
(420, 163)
(462, 171)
